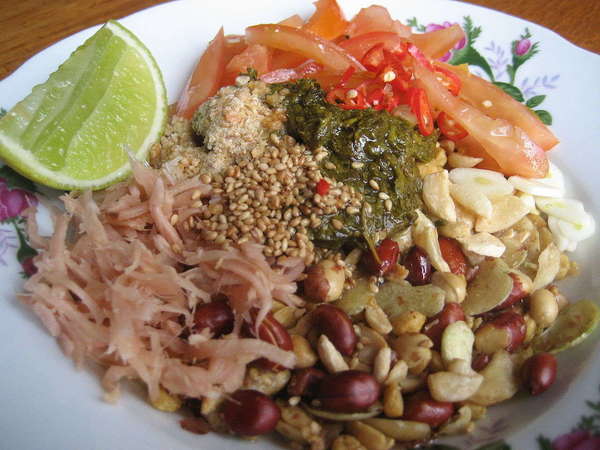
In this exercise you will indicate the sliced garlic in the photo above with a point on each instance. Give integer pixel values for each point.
(488, 182)
(472, 199)
(552, 185)
(425, 235)
(563, 208)
(484, 244)
(506, 211)
(534, 187)
(436, 196)
(560, 240)
(456, 160)
(573, 232)
(529, 200)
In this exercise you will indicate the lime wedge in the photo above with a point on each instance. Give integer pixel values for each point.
(75, 130)
(574, 323)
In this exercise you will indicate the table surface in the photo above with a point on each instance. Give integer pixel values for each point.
(29, 26)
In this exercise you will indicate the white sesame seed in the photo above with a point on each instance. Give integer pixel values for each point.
(357, 165)
(388, 204)
(487, 103)
(174, 219)
(390, 75)
(383, 196)
(374, 184)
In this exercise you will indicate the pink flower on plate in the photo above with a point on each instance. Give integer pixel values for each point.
(29, 266)
(576, 440)
(437, 26)
(522, 47)
(13, 201)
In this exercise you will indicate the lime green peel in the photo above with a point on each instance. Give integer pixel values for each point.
(75, 130)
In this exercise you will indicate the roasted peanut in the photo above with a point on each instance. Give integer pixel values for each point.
(397, 373)
(455, 286)
(330, 356)
(504, 332)
(377, 318)
(250, 413)
(382, 364)
(402, 430)
(337, 326)
(521, 288)
(408, 322)
(415, 349)
(539, 373)
(267, 381)
(453, 387)
(304, 382)
(217, 316)
(393, 404)
(370, 437)
(348, 391)
(453, 255)
(418, 265)
(324, 281)
(388, 252)
(543, 307)
(347, 442)
(420, 407)
(451, 313)
(166, 402)
(305, 355)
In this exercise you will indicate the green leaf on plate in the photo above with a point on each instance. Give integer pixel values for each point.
(544, 116)
(468, 55)
(498, 445)
(535, 101)
(16, 181)
(544, 443)
(511, 90)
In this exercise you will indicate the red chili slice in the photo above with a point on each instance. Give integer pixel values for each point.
(322, 187)
(346, 76)
(374, 58)
(449, 128)
(419, 106)
(448, 78)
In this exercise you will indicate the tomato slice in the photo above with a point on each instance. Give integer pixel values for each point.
(358, 46)
(328, 20)
(304, 43)
(449, 128)
(205, 79)
(376, 18)
(499, 105)
(419, 106)
(293, 21)
(255, 56)
(304, 70)
(436, 44)
(508, 145)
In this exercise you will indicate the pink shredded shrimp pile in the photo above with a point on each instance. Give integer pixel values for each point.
(118, 284)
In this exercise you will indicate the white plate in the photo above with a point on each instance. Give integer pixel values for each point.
(46, 404)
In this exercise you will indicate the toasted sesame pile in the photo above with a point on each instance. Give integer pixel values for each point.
(267, 193)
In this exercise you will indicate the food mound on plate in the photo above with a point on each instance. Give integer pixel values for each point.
(335, 241)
